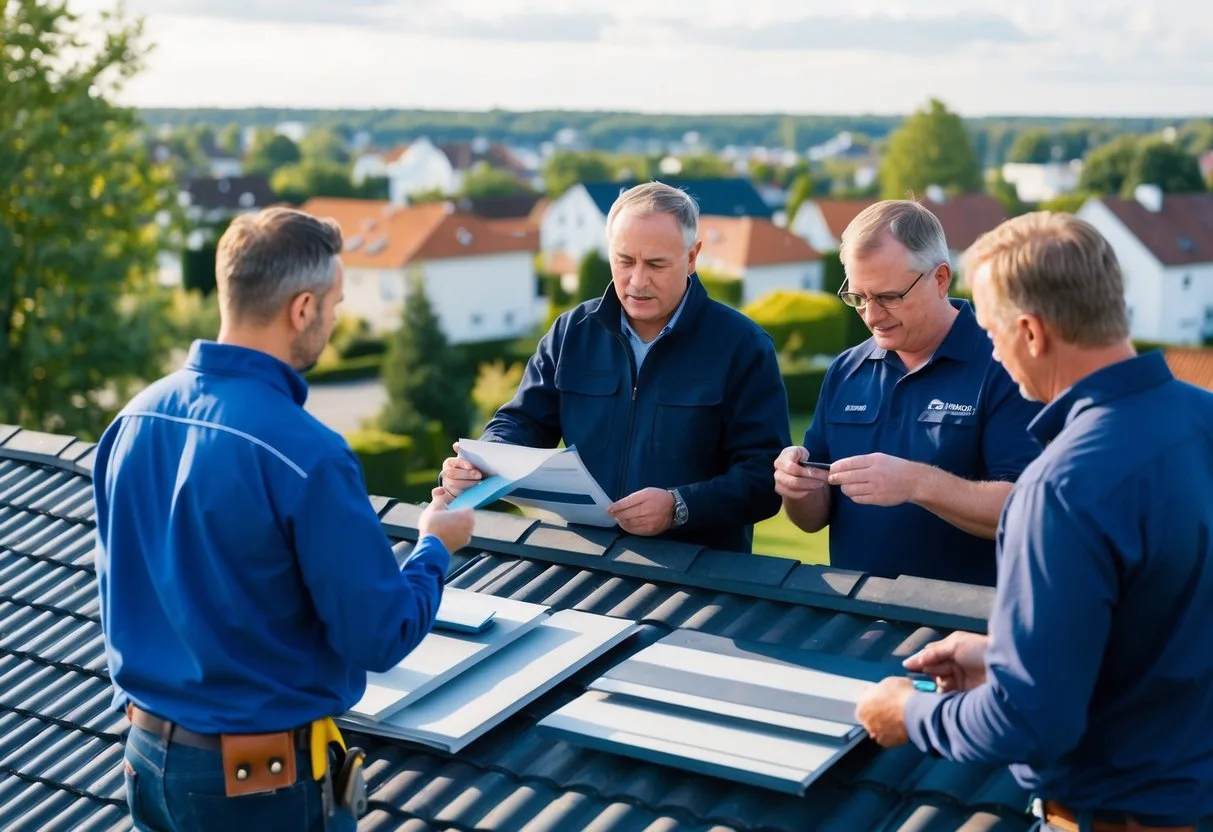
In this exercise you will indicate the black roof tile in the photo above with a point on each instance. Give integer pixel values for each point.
(61, 739)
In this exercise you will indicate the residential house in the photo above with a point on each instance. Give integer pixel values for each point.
(478, 276)
(62, 739)
(424, 166)
(224, 164)
(1042, 182)
(964, 218)
(763, 256)
(1194, 366)
(575, 222)
(1164, 243)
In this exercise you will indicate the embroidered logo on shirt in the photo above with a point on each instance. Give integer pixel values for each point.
(951, 407)
(855, 408)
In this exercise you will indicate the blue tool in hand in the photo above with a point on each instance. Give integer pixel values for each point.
(926, 685)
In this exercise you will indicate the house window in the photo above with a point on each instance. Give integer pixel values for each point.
(477, 319)
(1187, 281)
(389, 286)
(509, 318)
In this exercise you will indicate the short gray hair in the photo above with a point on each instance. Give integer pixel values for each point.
(267, 258)
(660, 198)
(907, 222)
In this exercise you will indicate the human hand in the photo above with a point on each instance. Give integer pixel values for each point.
(453, 528)
(794, 481)
(877, 479)
(882, 710)
(958, 662)
(458, 475)
(648, 512)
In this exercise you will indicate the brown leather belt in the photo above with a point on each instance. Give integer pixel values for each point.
(1058, 815)
(171, 731)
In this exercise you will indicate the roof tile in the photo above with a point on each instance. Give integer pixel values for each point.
(651, 558)
(754, 569)
(562, 540)
(35, 446)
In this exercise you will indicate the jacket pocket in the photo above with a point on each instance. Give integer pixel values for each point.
(689, 423)
(587, 406)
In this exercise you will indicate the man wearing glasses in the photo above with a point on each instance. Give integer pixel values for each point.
(924, 432)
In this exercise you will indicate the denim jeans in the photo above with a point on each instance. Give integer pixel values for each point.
(177, 788)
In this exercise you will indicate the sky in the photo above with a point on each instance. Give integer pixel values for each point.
(981, 57)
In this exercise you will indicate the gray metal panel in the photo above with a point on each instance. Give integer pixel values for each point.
(479, 699)
(464, 611)
(442, 656)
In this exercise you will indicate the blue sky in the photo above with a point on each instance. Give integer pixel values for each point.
(1063, 57)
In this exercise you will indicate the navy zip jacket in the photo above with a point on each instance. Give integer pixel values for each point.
(706, 414)
(246, 584)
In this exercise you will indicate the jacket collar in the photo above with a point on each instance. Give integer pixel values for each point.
(230, 360)
(609, 308)
(961, 342)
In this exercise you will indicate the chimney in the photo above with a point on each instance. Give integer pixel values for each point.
(1150, 196)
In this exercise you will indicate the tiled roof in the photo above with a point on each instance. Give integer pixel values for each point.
(964, 217)
(734, 243)
(61, 742)
(510, 207)
(230, 193)
(379, 234)
(1194, 366)
(1179, 234)
(716, 197)
(465, 155)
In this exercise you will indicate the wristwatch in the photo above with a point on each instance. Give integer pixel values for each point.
(680, 508)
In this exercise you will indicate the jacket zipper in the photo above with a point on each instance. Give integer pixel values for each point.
(627, 455)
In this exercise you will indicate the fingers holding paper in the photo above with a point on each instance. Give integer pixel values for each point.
(458, 475)
(649, 511)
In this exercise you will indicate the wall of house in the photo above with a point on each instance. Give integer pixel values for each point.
(1187, 313)
(481, 298)
(368, 166)
(1145, 294)
(573, 225)
(810, 225)
(761, 280)
(423, 167)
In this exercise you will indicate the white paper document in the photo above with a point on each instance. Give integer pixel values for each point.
(549, 479)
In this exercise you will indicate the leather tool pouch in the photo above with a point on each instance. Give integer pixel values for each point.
(254, 763)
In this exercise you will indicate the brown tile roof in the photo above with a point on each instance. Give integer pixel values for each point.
(395, 153)
(735, 243)
(464, 155)
(522, 229)
(541, 208)
(1179, 234)
(964, 217)
(379, 234)
(1194, 366)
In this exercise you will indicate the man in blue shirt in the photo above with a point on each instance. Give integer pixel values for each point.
(1096, 680)
(674, 401)
(246, 584)
(924, 431)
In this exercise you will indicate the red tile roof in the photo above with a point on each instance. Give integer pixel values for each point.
(735, 243)
(1179, 234)
(1194, 366)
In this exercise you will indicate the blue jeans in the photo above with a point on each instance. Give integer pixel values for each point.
(177, 788)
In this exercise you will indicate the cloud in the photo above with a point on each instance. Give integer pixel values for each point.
(546, 27)
(349, 12)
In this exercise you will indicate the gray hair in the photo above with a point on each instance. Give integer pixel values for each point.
(660, 198)
(907, 222)
(267, 258)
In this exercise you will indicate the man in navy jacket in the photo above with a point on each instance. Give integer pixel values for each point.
(1096, 679)
(246, 585)
(674, 401)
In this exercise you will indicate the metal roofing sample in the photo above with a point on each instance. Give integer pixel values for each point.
(441, 656)
(709, 704)
(475, 701)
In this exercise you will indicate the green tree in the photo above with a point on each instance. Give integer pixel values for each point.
(228, 138)
(323, 147)
(296, 183)
(705, 166)
(1007, 196)
(800, 192)
(1106, 168)
(271, 151)
(78, 241)
(484, 180)
(1033, 146)
(566, 169)
(932, 147)
(423, 376)
(1165, 164)
(1066, 203)
(593, 276)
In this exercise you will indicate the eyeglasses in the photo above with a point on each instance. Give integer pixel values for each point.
(888, 300)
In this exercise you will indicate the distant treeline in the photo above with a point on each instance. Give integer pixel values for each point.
(612, 131)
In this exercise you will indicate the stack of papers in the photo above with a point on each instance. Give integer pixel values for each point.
(549, 479)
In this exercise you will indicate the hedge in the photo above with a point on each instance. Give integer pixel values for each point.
(356, 368)
(722, 287)
(385, 458)
(832, 273)
(804, 388)
(802, 322)
(364, 345)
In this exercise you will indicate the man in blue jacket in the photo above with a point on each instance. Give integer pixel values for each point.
(674, 401)
(246, 584)
(1096, 679)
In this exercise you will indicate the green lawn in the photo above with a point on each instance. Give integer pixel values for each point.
(778, 536)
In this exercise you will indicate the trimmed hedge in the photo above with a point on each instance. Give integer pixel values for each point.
(385, 458)
(832, 273)
(804, 388)
(356, 368)
(722, 287)
(364, 345)
(802, 322)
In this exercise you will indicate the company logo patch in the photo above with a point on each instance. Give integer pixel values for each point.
(855, 408)
(951, 407)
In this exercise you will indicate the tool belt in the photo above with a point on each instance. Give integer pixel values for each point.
(1058, 815)
(258, 763)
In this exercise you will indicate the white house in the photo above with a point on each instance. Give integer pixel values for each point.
(1039, 183)
(425, 166)
(763, 256)
(575, 222)
(478, 275)
(1164, 243)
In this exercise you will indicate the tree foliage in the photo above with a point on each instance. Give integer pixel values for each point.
(78, 239)
(566, 169)
(1106, 168)
(270, 151)
(1166, 165)
(800, 192)
(484, 180)
(593, 276)
(932, 147)
(423, 376)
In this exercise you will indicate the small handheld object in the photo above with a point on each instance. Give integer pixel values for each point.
(824, 466)
(926, 685)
